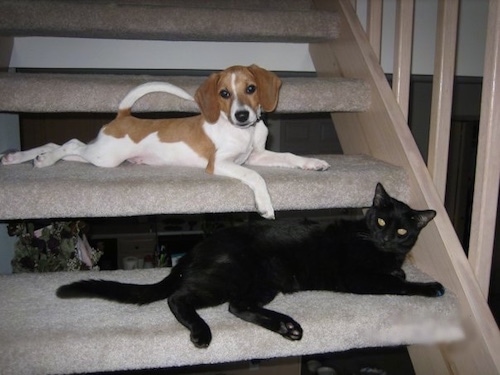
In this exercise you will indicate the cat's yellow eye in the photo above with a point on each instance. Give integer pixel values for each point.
(381, 222)
(402, 231)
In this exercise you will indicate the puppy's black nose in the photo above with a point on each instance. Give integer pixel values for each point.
(242, 116)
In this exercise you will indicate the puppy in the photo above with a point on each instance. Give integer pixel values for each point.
(228, 133)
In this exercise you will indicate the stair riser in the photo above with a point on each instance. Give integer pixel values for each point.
(102, 93)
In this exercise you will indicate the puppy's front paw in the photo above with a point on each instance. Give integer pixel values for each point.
(267, 214)
(264, 206)
(315, 164)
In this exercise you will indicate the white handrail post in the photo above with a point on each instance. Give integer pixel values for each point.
(374, 25)
(486, 186)
(442, 93)
(403, 43)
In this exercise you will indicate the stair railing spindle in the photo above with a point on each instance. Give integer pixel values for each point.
(374, 25)
(442, 93)
(402, 53)
(486, 186)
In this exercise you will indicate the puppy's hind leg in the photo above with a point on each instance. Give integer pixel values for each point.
(19, 157)
(70, 151)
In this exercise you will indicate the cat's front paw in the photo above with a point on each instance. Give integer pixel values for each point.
(201, 338)
(434, 289)
(290, 329)
(399, 273)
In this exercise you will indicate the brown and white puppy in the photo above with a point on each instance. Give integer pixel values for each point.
(228, 133)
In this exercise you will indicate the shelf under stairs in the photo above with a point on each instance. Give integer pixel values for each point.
(86, 336)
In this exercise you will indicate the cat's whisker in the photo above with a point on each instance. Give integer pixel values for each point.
(365, 236)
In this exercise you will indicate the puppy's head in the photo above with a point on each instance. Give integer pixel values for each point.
(239, 93)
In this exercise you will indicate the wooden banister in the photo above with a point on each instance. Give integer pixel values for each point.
(442, 93)
(383, 132)
(402, 54)
(488, 158)
(374, 25)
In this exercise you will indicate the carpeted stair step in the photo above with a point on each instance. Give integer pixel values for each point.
(194, 20)
(42, 334)
(71, 189)
(44, 92)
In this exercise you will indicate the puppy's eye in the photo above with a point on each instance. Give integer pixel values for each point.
(381, 222)
(402, 231)
(225, 94)
(251, 89)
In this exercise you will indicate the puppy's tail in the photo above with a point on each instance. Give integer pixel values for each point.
(119, 292)
(147, 88)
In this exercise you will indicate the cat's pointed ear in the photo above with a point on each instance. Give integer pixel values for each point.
(422, 218)
(381, 197)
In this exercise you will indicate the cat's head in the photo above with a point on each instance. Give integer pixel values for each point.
(394, 226)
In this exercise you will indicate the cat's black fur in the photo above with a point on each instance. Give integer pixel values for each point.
(248, 266)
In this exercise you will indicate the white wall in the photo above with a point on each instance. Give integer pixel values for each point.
(133, 54)
(127, 54)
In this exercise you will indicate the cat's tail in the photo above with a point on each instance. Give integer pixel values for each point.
(119, 292)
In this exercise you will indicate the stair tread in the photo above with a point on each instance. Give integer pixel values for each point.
(72, 335)
(72, 189)
(237, 20)
(53, 92)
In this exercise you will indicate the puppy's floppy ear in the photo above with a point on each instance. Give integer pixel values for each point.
(268, 87)
(207, 98)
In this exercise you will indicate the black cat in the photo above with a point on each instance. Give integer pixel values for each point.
(248, 266)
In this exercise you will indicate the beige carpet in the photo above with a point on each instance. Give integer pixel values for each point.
(41, 334)
(71, 189)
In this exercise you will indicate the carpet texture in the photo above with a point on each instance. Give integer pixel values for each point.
(41, 334)
(270, 21)
(31, 92)
(71, 189)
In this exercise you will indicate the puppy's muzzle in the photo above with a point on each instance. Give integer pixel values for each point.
(242, 117)
(245, 118)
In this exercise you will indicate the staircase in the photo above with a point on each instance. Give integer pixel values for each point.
(374, 136)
